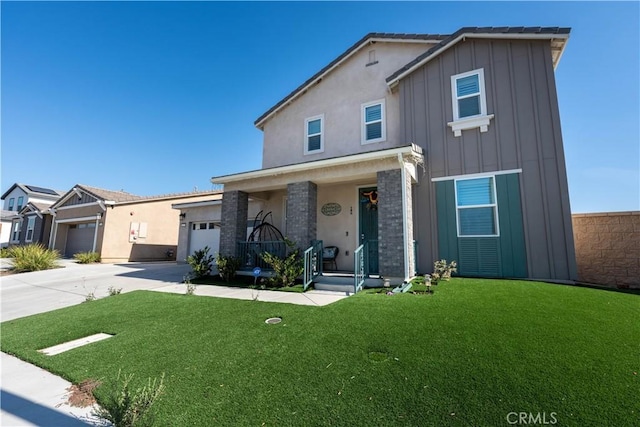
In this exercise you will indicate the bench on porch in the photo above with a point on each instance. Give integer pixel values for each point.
(329, 256)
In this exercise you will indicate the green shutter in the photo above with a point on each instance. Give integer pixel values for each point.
(480, 256)
(512, 247)
(446, 211)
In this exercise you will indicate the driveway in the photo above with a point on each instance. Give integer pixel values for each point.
(41, 291)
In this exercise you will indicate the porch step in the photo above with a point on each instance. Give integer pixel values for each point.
(343, 283)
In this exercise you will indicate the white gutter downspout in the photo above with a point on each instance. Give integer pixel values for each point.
(54, 230)
(405, 234)
(95, 233)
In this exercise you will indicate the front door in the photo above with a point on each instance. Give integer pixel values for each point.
(368, 199)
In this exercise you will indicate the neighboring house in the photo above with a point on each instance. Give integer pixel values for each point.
(18, 195)
(28, 208)
(410, 148)
(6, 222)
(200, 224)
(118, 225)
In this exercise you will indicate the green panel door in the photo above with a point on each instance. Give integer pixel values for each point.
(369, 225)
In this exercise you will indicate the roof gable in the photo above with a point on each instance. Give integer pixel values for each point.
(34, 191)
(365, 41)
(556, 35)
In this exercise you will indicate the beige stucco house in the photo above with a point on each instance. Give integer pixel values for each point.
(118, 225)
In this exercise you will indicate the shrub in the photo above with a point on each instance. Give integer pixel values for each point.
(114, 291)
(130, 408)
(87, 257)
(191, 287)
(5, 253)
(33, 257)
(441, 272)
(286, 270)
(227, 266)
(201, 262)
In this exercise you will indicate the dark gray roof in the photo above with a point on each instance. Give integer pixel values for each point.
(33, 190)
(479, 30)
(355, 46)
(9, 215)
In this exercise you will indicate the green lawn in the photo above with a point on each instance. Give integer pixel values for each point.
(468, 355)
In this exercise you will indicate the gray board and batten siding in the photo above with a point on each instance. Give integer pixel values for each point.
(524, 134)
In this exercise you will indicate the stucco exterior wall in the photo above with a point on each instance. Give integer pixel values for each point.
(340, 230)
(339, 96)
(524, 134)
(608, 248)
(163, 223)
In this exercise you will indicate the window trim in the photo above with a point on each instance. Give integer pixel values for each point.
(493, 205)
(20, 204)
(481, 120)
(16, 228)
(31, 226)
(363, 122)
(12, 202)
(307, 135)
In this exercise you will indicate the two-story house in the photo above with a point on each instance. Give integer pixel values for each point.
(26, 214)
(416, 147)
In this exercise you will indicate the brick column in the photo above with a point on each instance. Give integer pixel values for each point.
(391, 250)
(235, 205)
(302, 213)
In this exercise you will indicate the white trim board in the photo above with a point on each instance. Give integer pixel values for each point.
(84, 218)
(476, 175)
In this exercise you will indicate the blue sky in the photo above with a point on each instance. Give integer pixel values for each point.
(156, 98)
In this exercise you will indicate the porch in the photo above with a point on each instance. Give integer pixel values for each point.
(360, 204)
(314, 273)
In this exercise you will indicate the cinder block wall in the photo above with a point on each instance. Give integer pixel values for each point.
(608, 248)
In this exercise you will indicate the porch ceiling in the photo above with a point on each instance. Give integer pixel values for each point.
(359, 167)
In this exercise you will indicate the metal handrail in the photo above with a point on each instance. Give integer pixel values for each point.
(312, 263)
(360, 273)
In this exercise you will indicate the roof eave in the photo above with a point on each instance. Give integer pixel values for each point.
(393, 80)
(317, 78)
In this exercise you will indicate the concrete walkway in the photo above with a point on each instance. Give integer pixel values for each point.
(34, 397)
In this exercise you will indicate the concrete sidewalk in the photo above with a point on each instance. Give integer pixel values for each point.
(317, 298)
(34, 397)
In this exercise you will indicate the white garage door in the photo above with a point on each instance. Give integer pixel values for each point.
(204, 234)
(80, 238)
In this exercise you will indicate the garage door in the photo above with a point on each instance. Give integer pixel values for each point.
(80, 238)
(204, 234)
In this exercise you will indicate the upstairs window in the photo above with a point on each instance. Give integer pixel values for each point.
(477, 211)
(31, 224)
(314, 138)
(11, 203)
(20, 202)
(373, 122)
(468, 96)
(469, 102)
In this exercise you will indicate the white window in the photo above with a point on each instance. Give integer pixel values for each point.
(11, 203)
(15, 235)
(373, 122)
(469, 102)
(31, 224)
(20, 202)
(477, 210)
(314, 135)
